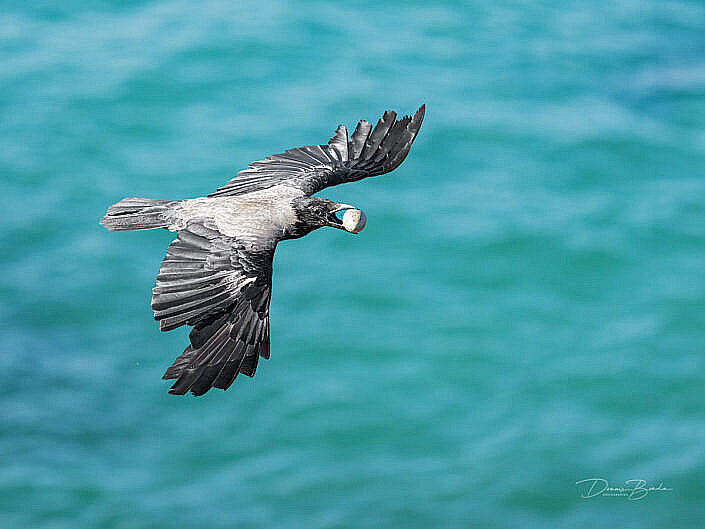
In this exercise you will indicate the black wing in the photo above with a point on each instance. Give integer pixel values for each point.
(222, 288)
(314, 167)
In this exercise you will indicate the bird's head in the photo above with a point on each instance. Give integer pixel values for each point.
(316, 212)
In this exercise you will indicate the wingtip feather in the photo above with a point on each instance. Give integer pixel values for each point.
(339, 143)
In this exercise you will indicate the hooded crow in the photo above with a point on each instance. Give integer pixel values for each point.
(217, 273)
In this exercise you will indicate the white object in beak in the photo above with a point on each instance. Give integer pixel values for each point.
(354, 220)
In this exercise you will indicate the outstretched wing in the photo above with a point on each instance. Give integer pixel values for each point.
(314, 167)
(222, 288)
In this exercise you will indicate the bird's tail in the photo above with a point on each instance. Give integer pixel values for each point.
(133, 213)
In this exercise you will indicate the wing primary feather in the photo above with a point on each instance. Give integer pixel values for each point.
(378, 134)
(264, 342)
(183, 383)
(388, 143)
(249, 365)
(408, 137)
(226, 376)
(200, 334)
(357, 141)
(204, 382)
(339, 143)
(178, 365)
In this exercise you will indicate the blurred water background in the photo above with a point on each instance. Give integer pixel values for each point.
(525, 309)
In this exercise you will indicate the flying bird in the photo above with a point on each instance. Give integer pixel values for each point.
(217, 273)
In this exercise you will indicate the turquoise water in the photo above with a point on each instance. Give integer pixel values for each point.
(525, 309)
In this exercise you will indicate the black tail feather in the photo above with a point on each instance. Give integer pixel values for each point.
(134, 213)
